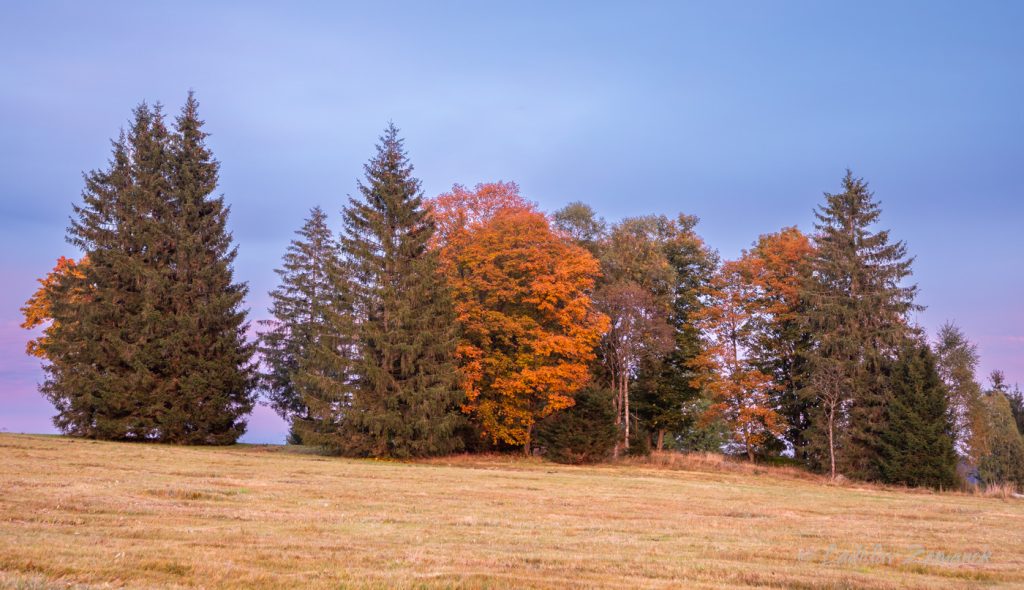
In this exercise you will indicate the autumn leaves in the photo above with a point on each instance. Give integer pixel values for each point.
(522, 298)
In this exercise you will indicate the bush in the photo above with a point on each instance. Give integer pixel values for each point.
(639, 442)
(584, 433)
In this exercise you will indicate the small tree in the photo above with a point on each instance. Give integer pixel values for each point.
(1003, 459)
(584, 433)
(307, 347)
(740, 392)
(915, 445)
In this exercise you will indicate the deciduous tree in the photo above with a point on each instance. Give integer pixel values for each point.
(522, 297)
(740, 392)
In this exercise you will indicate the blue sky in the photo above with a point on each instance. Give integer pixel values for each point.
(742, 113)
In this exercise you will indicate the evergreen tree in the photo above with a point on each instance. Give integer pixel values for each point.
(584, 433)
(406, 395)
(100, 376)
(307, 346)
(210, 361)
(664, 386)
(857, 316)
(915, 442)
(147, 340)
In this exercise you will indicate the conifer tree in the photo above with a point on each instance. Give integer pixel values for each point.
(99, 376)
(147, 340)
(857, 316)
(915, 442)
(209, 356)
(307, 346)
(664, 390)
(407, 393)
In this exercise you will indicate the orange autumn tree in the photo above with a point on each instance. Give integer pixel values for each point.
(740, 392)
(778, 267)
(522, 296)
(36, 310)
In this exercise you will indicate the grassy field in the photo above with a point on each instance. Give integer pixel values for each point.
(86, 514)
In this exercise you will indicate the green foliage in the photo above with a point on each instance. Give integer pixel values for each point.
(857, 309)
(957, 359)
(584, 433)
(1003, 461)
(405, 400)
(581, 224)
(664, 384)
(700, 434)
(915, 444)
(306, 347)
(639, 442)
(154, 347)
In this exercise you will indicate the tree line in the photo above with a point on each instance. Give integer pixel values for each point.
(474, 321)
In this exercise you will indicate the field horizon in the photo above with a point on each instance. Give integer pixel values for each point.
(86, 514)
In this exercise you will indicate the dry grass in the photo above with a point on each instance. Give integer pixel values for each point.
(82, 514)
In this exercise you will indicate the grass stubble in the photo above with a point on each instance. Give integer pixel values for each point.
(86, 514)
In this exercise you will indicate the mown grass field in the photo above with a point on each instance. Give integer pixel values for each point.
(86, 514)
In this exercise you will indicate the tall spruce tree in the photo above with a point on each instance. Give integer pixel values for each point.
(148, 342)
(307, 347)
(406, 396)
(210, 359)
(915, 441)
(857, 314)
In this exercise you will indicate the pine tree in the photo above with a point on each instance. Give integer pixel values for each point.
(915, 442)
(307, 346)
(406, 395)
(210, 360)
(857, 316)
(584, 433)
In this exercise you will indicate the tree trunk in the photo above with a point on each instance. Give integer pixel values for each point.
(529, 439)
(661, 438)
(625, 404)
(831, 442)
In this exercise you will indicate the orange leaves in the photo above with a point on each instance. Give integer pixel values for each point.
(740, 392)
(522, 297)
(37, 310)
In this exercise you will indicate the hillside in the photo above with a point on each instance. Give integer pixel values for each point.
(93, 514)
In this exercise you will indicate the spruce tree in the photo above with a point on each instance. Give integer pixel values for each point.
(406, 392)
(307, 346)
(100, 375)
(584, 433)
(915, 440)
(857, 316)
(210, 360)
(148, 343)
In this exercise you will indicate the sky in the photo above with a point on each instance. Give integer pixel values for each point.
(742, 113)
